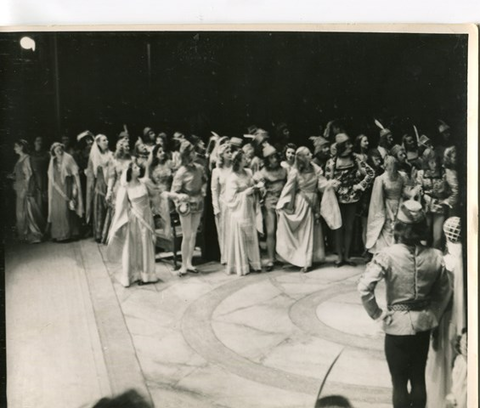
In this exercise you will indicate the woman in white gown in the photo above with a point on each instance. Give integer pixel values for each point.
(219, 177)
(299, 232)
(132, 232)
(242, 250)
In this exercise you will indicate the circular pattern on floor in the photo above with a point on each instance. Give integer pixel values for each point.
(199, 334)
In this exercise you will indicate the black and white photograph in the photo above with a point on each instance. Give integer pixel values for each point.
(266, 217)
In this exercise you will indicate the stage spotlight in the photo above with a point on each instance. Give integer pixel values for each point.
(27, 43)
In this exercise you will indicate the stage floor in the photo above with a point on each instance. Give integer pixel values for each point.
(74, 334)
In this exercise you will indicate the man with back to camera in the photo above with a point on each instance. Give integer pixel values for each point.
(418, 289)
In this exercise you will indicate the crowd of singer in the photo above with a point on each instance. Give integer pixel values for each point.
(303, 201)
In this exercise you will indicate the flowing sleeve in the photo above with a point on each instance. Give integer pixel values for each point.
(375, 271)
(116, 236)
(376, 213)
(329, 208)
(287, 197)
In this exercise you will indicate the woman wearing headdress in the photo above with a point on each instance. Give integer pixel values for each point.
(299, 232)
(272, 178)
(438, 195)
(39, 159)
(387, 195)
(65, 203)
(119, 163)
(361, 147)
(132, 233)
(220, 175)
(354, 177)
(30, 221)
(190, 184)
(97, 173)
(451, 325)
(242, 250)
(159, 177)
(288, 156)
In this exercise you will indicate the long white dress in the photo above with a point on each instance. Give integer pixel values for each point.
(218, 186)
(133, 234)
(299, 236)
(242, 250)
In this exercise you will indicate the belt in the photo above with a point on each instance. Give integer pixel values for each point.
(406, 307)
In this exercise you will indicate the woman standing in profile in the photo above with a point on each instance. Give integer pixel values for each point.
(132, 233)
(30, 221)
(219, 178)
(65, 204)
(299, 232)
(97, 171)
(121, 160)
(190, 185)
(243, 252)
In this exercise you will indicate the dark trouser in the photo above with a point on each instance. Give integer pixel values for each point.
(407, 358)
(343, 235)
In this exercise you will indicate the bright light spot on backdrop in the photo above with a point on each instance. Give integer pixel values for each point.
(27, 43)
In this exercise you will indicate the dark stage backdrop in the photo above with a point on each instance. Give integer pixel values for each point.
(197, 82)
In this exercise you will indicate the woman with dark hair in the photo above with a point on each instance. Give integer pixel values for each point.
(438, 195)
(354, 177)
(299, 232)
(273, 177)
(242, 250)
(120, 161)
(65, 203)
(219, 178)
(159, 177)
(39, 159)
(288, 156)
(418, 289)
(30, 222)
(190, 184)
(132, 233)
(97, 172)
(387, 193)
(361, 147)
